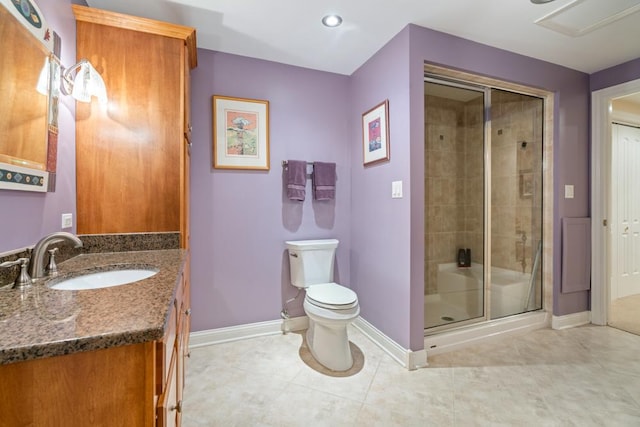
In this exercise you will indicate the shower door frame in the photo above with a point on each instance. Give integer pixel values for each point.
(486, 211)
(440, 75)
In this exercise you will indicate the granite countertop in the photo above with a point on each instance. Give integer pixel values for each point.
(39, 322)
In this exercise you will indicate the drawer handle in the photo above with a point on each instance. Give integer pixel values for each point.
(177, 407)
(187, 312)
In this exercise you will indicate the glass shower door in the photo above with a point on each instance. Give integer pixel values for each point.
(455, 204)
(516, 203)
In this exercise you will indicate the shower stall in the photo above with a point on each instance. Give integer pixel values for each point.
(483, 203)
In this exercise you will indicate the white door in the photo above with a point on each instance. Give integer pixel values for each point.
(625, 229)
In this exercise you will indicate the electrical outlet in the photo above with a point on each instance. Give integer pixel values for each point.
(67, 220)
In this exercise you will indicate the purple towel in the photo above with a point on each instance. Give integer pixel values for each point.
(296, 179)
(324, 181)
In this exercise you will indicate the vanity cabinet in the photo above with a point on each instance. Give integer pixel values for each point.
(135, 385)
(132, 156)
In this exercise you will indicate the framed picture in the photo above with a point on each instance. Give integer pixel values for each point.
(375, 134)
(240, 133)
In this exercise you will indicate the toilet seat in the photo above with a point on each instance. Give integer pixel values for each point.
(331, 296)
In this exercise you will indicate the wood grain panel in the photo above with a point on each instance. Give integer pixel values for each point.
(112, 387)
(129, 155)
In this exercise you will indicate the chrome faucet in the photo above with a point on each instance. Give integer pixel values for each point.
(36, 268)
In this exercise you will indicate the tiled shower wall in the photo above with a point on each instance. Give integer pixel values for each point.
(516, 179)
(454, 181)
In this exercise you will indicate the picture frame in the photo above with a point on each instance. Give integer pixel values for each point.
(240, 133)
(375, 134)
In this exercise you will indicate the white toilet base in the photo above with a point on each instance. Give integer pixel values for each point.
(327, 337)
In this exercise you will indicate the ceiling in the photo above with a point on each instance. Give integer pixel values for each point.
(290, 31)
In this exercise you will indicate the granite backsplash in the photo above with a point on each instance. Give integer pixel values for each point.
(94, 243)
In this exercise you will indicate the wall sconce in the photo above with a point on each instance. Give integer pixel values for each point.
(86, 83)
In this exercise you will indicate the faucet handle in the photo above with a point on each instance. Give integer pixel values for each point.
(23, 278)
(52, 268)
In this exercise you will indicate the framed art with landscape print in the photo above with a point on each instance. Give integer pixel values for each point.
(375, 134)
(240, 133)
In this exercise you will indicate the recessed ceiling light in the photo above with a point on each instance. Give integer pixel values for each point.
(332, 20)
(541, 1)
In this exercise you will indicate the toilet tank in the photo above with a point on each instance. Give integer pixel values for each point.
(311, 261)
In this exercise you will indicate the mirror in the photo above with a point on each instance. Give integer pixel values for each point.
(28, 110)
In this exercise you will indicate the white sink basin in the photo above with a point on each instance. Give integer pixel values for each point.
(104, 279)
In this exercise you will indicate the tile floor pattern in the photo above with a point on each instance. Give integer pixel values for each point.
(586, 376)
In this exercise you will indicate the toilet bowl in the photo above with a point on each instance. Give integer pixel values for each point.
(327, 334)
(329, 306)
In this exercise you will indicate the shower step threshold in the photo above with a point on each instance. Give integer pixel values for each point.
(457, 338)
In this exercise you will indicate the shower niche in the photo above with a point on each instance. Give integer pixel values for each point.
(483, 192)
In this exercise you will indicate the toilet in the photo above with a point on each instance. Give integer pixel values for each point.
(329, 306)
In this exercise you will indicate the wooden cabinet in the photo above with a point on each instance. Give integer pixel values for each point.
(111, 387)
(174, 349)
(130, 386)
(132, 156)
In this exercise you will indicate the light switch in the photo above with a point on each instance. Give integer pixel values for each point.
(67, 220)
(568, 191)
(396, 190)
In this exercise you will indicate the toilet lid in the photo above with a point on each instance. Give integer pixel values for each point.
(331, 294)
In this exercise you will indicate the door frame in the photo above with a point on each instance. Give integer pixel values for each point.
(549, 98)
(601, 196)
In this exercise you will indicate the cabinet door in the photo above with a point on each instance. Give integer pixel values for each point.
(127, 158)
(165, 350)
(169, 406)
(184, 327)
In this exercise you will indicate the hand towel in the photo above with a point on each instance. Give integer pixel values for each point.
(296, 179)
(324, 181)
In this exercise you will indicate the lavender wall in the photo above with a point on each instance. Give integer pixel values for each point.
(240, 219)
(390, 289)
(380, 225)
(26, 216)
(613, 76)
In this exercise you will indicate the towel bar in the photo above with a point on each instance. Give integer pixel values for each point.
(286, 162)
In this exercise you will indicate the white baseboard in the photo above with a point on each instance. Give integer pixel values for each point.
(407, 358)
(234, 333)
(251, 330)
(456, 339)
(571, 320)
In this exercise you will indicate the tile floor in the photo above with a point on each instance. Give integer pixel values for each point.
(586, 376)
